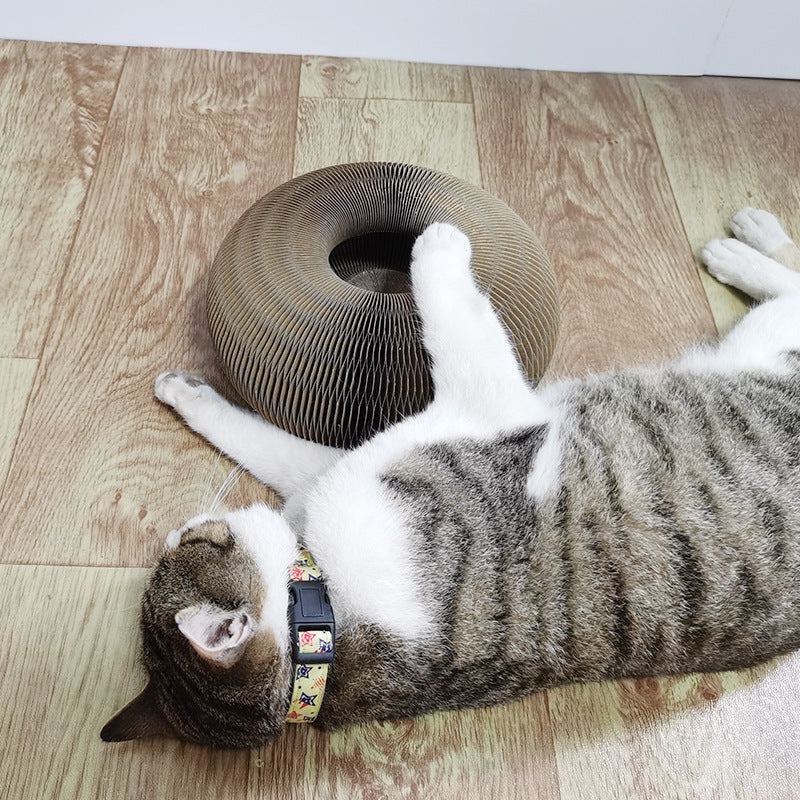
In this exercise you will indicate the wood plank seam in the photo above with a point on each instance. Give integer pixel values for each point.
(62, 276)
(651, 125)
(12, 451)
(79, 227)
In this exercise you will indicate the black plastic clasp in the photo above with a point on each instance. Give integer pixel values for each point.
(310, 610)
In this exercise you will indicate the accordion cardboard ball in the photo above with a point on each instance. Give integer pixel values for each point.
(309, 297)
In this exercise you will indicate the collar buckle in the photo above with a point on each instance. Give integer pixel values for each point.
(310, 611)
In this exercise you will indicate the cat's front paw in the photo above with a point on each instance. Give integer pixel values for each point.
(440, 262)
(175, 387)
(759, 229)
(441, 239)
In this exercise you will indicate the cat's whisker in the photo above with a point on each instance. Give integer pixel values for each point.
(226, 487)
(207, 492)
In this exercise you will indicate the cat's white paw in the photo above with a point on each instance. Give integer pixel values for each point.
(176, 387)
(759, 229)
(728, 259)
(745, 268)
(441, 240)
(440, 262)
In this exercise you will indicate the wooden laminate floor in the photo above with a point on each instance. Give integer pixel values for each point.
(120, 172)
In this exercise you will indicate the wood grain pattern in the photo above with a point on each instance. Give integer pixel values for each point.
(55, 101)
(435, 135)
(195, 137)
(492, 753)
(323, 76)
(16, 379)
(575, 156)
(727, 143)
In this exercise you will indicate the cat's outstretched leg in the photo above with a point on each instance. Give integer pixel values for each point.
(475, 369)
(770, 330)
(275, 457)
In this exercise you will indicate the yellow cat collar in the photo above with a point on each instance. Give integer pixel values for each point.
(311, 628)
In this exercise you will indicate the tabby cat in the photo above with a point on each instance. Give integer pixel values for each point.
(506, 539)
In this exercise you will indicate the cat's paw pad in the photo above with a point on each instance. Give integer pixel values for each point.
(759, 229)
(726, 259)
(441, 239)
(175, 387)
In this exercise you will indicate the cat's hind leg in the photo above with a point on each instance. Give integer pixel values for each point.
(474, 366)
(762, 338)
(278, 459)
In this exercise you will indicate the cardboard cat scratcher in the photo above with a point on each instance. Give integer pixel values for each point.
(309, 300)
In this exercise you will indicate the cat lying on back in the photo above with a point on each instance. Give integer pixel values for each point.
(506, 539)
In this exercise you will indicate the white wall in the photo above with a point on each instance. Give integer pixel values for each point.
(686, 37)
(758, 38)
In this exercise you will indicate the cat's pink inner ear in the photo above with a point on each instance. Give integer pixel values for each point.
(214, 632)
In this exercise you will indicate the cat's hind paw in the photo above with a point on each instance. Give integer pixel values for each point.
(759, 229)
(728, 259)
(735, 263)
(176, 387)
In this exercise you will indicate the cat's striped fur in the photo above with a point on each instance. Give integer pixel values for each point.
(673, 544)
(665, 539)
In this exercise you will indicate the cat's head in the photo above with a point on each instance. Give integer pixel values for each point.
(215, 639)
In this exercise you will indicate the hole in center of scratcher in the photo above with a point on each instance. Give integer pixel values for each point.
(378, 261)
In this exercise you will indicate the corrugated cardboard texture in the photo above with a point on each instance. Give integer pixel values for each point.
(309, 299)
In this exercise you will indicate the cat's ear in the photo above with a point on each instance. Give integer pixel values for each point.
(140, 719)
(214, 531)
(216, 634)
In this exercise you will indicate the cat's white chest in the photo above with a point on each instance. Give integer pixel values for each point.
(359, 536)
